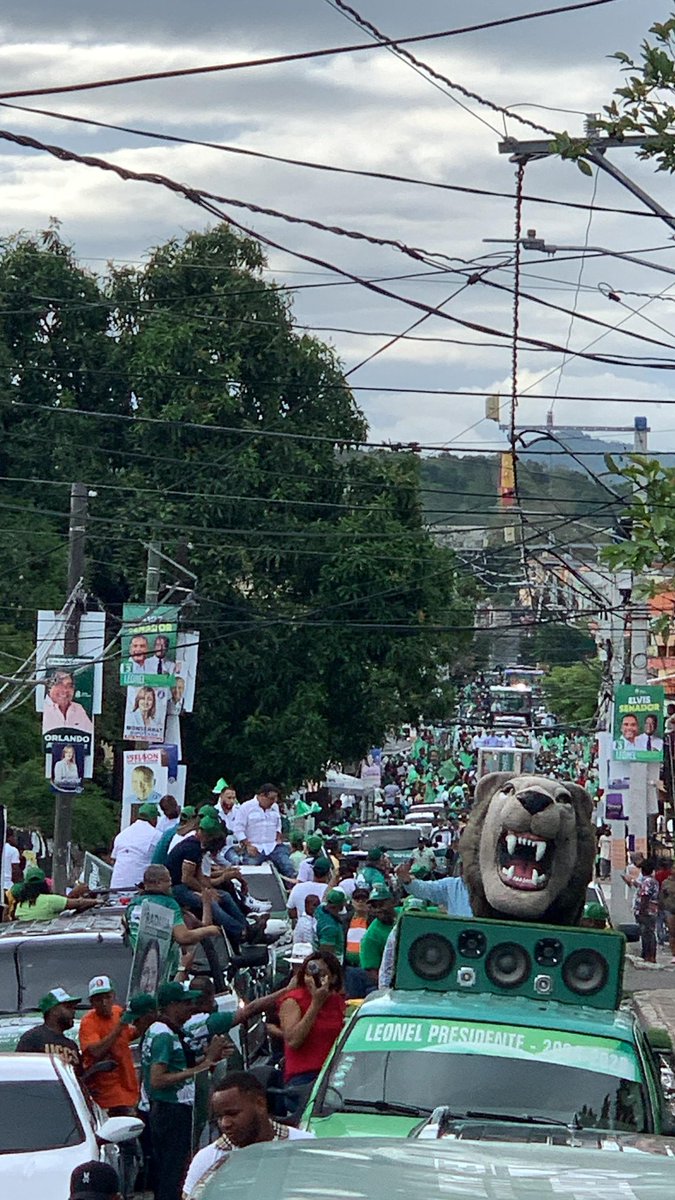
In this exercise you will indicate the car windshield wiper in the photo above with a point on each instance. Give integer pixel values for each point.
(384, 1106)
(525, 1119)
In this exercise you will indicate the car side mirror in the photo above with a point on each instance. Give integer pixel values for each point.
(120, 1129)
(631, 932)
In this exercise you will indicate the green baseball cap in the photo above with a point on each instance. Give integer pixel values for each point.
(210, 823)
(335, 896)
(412, 904)
(34, 873)
(219, 787)
(595, 911)
(314, 843)
(187, 812)
(296, 838)
(380, 891)
(57, 995)
(420, 871)
(147, 811)
(170, 993)
(375, 854)
(140, 1005)
(322, 866)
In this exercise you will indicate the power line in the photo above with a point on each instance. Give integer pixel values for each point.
(313, 165)
(298, 56)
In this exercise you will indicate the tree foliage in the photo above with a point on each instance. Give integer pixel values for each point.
(572, 692)
(327, 613)
(562, 645)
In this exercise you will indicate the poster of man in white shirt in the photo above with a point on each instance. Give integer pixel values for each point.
(68, 703)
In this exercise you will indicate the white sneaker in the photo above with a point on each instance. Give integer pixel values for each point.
(672, 962)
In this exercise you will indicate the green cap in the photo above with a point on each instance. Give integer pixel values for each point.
(34, 873)
(380, 891)
(296, 838)
(314, 843)
(139, 1006)
(375, 854)
(322, 866)
(595, 911)
(335, 896)
(58, 995)
(169, 993)
(147, 811)
(187, 812)
(219, 787)
(420, 871)
(412, 904)
(210, 824)
(219, 1022)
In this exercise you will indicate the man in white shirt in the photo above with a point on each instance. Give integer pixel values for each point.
(133, 848)
(257, 825)
(226, 812)
(299, 893)
(60, 710)
(239, 1107)
(11, 863)
(649, 739)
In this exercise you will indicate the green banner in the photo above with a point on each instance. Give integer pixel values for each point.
(638, 723)
(607, 1056)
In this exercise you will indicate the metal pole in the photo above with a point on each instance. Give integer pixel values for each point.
(152, 574)
(63, 813)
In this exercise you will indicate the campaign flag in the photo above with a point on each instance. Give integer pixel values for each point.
(149, 641)
(638, 723)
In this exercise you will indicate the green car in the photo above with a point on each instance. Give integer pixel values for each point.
(493, 1021)
(404, 1054)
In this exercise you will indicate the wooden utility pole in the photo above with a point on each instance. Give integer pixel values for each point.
(77, 532)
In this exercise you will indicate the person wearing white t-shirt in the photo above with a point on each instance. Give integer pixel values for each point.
(300, 891)
(133, 848)
(239, 1106)
(11, 863)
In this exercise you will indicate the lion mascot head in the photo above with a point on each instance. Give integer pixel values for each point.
(528, 849)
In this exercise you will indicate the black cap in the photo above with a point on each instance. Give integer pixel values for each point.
(94, 1181)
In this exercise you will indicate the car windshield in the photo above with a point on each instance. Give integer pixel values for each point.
(37, 1114)
(396, 837)
(70, 963)
(498, 1084)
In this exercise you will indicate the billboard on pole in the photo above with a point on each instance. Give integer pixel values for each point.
(149, 643)
(638, 723)
(68, 703)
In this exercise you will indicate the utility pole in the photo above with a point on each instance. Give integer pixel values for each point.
(77, 532)
(152, 574)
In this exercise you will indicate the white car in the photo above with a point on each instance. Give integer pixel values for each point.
(47, 1128)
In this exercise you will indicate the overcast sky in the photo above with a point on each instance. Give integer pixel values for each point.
(370, 111)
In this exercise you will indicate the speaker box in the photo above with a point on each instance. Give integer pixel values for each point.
(509, 958)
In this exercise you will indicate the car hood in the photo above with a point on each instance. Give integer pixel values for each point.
(346, 1124)
(45, 1174)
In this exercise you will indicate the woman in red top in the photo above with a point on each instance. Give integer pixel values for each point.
(311, 1017)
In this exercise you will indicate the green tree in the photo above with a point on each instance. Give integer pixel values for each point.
(562, 645)
(572, 692)
(326, 611)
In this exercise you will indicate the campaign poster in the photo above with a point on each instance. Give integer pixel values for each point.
(145, 713)
(169, 759)
(152, 952)
(96, 873)
(183, 691)
(638, 723)
(149, 640)
(50, 643)
(172, 733)
(68, 703)
(145, 780)
(66, 767)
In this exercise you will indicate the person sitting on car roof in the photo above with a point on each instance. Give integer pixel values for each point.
(157, 887)
(37, 902)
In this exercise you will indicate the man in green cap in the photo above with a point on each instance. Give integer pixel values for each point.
(330, 932)
(169, 1085)
(382, 908)
(157, 888)
(134, 847)
(58, 1009)
(161, 851)
(372, 872)
(314, 846)
(189, 882)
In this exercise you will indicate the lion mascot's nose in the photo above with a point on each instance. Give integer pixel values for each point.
(535, 802)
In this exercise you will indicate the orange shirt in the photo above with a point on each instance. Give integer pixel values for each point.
(110, 1089)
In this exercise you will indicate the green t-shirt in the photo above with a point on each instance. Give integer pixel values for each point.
(45, 907)
(297, 857)
(373, 943)
(133, 915)
(162, 1044)
(329, 932)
